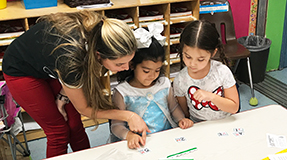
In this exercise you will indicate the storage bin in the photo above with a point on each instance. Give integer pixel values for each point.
(75, 3)
(3, 4)
(32, 4)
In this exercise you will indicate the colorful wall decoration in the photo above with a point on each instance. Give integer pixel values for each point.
(253, 16)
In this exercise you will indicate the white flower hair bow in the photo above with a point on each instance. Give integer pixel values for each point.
(143, 36)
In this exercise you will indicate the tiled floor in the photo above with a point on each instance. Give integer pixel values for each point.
(100, 136)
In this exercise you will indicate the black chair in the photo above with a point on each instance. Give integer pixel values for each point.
(223, 22)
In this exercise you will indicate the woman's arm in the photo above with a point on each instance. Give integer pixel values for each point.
(61, 104)
(76, 96)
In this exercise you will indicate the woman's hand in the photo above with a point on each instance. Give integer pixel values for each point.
(134, 140)
(61, 107)
(185, 123)
(138, 125)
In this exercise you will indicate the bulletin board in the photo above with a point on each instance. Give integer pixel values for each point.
(241, 16)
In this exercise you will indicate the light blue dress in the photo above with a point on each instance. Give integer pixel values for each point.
(155, 105)
(149, 103)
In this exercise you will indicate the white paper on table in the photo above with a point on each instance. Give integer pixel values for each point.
(281, 156)
(276, 141)
(113, 154)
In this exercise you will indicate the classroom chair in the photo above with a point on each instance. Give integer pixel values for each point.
(12, 122)
(223, 22)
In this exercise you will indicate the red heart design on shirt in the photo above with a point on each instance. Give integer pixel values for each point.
(197, 105)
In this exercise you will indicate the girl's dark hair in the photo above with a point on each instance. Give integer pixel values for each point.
(203, 35)
(155, 53)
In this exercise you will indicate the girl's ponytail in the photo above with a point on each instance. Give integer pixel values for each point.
(221, 52)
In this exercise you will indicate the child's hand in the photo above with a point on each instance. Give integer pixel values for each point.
(201, 95)
(134, 140)
(185, 123)
(138, 125)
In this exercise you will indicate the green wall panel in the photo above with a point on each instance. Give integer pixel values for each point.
(274, 31)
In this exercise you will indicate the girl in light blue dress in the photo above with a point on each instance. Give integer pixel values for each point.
(144, 91)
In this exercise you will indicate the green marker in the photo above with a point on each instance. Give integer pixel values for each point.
(176, 158)
(182, 152)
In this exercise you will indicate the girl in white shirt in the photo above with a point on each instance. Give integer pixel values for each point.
(205, 88)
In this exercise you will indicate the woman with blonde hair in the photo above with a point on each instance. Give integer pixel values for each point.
(53, 71)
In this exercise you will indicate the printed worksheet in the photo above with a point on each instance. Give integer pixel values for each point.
(276, 141)
(281, 156)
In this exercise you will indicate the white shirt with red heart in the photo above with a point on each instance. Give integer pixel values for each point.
(219, 78)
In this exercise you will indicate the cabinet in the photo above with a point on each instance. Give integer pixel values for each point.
(172, 14)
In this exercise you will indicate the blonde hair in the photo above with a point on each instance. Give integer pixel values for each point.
(94, 33)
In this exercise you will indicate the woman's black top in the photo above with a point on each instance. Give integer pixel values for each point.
(30, 54)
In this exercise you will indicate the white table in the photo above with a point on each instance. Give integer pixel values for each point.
(251, 146)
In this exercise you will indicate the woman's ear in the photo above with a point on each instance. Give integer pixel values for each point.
(131, 65)
(214, 53)
(98, 55)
